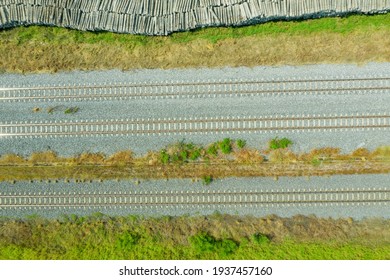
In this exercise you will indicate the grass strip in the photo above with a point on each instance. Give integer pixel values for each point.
(202, 237)
(354, 38)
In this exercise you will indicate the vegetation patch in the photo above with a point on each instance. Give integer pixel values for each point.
(207, 179)
(355, 38)
(277, 143)
(193, 237)
(225, 158)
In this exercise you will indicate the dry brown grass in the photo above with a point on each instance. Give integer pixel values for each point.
(355, 47)
(321, 153)
(44, 158)
(90, 159)
(382, 153)
(121, 158)
(282, 156)
(246, 155)
(12, 159)
(240, 163)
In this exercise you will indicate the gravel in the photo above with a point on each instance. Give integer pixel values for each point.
(369, 103)
(372, 102)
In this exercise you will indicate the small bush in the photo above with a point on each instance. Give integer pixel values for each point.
(260, 238)
(226, 146)
(277, 143)
(212, 150)
(205, 243)
(241, 143)
(184, 155)
(180, 152)
(127, 240)
(195, 154)
(207, 180)
(164, 157)
(315, 162)
(71, 110)
(202, 242)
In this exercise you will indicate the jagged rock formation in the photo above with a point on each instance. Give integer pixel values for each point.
(161, 17)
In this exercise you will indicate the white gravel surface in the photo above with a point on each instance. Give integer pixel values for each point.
(328, 103)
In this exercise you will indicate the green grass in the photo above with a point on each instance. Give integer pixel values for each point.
(57, 35)
(212, 237)
(352, 39)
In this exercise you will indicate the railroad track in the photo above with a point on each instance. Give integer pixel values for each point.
(204, 198)
(195, 125)
(105, 92)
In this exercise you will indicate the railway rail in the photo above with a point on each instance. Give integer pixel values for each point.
(193, 89)
(195, 125)
(204, 198)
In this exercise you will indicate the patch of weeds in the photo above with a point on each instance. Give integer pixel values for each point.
(51, 110)
(315, 162)
(206, 180)
(260, 238)
(226, 146)
(184, 155)
(212, 150)
(195, 154)
(164, 157)
(205, 243)
(277, 143)
(241, 143)
(175, 158)
(127, 240)
(71, 110)
(182, 152)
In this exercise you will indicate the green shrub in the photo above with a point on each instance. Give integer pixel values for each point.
(71, 110)
(212, 150)
(277, 143)
(226, 146)
(260, 238)
(183, 155)
(205, 243)
(207, 180)
(315, 162)
(202, 242)
(127, 240)
(195, 154)
(164, 157)
(175, 158)
(241, 143)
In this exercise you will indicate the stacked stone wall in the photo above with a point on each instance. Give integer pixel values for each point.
(162, 17)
